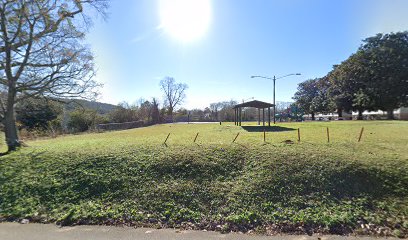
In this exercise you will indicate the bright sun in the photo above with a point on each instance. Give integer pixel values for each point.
(186, 20)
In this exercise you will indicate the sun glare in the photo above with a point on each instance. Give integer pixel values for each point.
(186, 20)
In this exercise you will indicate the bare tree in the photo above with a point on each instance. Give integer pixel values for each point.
(223, 111)
(173, 93)
(215, 107)
(42, 54)
(155, 111)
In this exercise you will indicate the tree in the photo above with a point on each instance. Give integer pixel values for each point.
(124, 113)
(174, 93)
(155, 111)
(340, 90)
(350, 85)
(82, 120)
(295, 112)
(311, 96)
(375, 77)
(145, 111)
(362, 101)
(215, 108)
(305, 94)
(42, 54)
(385, 59)
(223, 111)
(37, 113)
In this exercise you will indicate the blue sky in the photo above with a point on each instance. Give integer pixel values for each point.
(244, 37)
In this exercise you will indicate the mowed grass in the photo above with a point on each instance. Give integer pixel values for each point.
(131, 177)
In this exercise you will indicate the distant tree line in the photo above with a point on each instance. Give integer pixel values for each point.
(373, 78)
(45, 116)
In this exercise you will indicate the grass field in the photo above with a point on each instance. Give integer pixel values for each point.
(131, 177)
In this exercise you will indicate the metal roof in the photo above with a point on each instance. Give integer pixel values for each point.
(255, 104)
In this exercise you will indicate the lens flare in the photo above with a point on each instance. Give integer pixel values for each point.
(186, 20)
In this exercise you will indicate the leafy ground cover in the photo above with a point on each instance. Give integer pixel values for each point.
(130, 177)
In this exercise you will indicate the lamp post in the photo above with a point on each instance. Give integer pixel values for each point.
(274, 80)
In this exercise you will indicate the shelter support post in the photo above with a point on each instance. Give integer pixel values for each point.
(235, 116)
(255, 104)
(240, 116)
(263, 116)
(259, 116)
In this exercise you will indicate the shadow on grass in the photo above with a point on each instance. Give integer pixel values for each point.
(267, 129)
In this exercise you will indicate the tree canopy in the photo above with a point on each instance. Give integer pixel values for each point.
(174, 93)
(42, 53)
(311, 96)
(374, 77)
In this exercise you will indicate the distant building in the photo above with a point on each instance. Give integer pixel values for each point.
(400, 114)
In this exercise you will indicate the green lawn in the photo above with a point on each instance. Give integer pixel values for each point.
(131, 177)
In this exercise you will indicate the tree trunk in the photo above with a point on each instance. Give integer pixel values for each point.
(390, 114)
(313, 116)
(171, 114)
(360, 115)
(340, 112)
(10, 128)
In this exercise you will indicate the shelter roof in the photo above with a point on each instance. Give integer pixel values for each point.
(255, 104)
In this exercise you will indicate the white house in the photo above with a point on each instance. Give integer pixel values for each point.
(401, 114)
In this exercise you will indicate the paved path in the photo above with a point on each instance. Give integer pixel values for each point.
(16, 231)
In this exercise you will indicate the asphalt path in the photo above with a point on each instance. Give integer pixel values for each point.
(17, 231)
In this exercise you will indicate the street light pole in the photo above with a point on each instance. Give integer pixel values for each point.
(274, 104)
(274, 90)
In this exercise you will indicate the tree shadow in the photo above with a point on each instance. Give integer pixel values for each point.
(4, 153)
(267, 128)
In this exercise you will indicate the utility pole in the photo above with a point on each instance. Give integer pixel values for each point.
(274, 90)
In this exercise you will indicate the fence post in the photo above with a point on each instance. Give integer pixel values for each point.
(361, 134)
(264, 135)
(235, 138)
(328, 135)
(298, 134)
(166, 139)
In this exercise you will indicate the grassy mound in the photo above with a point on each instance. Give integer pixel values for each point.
(273, 187)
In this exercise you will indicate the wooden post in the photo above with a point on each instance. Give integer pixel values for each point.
(236, 116)
(259, 116)
(263, 117)
(361, 134)
(195, 137)
(264, 135)
(240, 116)
(235, 138)
(328, 135)
(298, 134)
(269, 116)
(166, 139)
